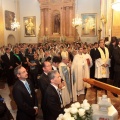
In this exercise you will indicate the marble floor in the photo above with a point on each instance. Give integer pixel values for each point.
(5, 94)
(90, 96)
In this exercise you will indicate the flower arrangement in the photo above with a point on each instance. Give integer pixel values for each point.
(77, 111)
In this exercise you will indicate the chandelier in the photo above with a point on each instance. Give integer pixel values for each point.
(15, 25)
(77, 21)
(116, 5)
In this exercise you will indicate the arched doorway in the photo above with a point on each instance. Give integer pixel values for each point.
(11, 39)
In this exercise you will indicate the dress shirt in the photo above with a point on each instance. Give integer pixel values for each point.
(26, 86)
(8, 55)
(59, 93)
(24, 81)
(54, 68)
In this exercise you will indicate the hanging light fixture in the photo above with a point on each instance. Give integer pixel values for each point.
(15, 25)
(77, 21)
(116, 5)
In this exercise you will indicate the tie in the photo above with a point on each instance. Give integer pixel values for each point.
(27, 87)
(58, 91)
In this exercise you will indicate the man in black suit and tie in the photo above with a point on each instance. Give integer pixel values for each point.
(24, 96)
(53, 103)
(43, 82)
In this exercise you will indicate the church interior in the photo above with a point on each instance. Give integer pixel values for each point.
(59, 21)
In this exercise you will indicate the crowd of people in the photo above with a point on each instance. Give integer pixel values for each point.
(57, 70)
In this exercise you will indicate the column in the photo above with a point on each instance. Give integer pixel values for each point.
(1, 25)
(103, 14)
(71, 17)
(67, 21)
(63, 21)
(49, 22)
(109, 19)
(42, 22)
(46, 21)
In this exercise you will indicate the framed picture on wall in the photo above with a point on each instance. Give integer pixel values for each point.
(9, 18)
(89, 24)
(29, 26)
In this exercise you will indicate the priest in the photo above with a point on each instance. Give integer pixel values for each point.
(64, 71)
(78, 73)
(102, 62)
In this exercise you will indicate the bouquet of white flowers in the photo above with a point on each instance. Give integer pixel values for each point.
(77, 111)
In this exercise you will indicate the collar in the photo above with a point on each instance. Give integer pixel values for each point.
(23, 81)
(54, 68)
(54, 86)
(46, 73)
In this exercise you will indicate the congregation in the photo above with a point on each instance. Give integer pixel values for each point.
(57, 70)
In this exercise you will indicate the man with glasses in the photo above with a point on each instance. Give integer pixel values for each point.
(24, 96)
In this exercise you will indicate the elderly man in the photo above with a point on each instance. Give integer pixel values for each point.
(53, 103)
(24, 96)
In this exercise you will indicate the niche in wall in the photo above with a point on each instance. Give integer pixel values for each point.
(11, 39)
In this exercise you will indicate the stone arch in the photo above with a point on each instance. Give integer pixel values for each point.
(11, 39)
(56, 21)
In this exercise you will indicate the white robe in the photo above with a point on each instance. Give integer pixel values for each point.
(77, 75)
(66, 94)
(87, 69)
(100, 71)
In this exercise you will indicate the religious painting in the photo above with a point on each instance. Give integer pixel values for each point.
(9, 18)
(29, 26)
(89, 25)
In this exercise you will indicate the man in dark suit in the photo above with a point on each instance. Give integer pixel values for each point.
(53, 103)
(43, 82)
(93, 56)
(24, 96)
(116, 55)
(8, 61)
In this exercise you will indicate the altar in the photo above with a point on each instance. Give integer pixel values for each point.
(98, 115)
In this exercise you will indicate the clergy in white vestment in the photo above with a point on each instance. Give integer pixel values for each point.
(78, 73)
(102, 62)
(65, 75)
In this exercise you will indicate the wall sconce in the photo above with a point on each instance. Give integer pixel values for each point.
(103, 19)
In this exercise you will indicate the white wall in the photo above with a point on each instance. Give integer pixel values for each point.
(89, 6)
(29, 8)
(10, 6)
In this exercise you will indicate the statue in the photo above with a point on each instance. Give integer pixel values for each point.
(57, 23)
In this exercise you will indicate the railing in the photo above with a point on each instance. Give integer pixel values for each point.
(102, 85)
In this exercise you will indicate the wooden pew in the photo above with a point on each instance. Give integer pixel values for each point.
(102, 85)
